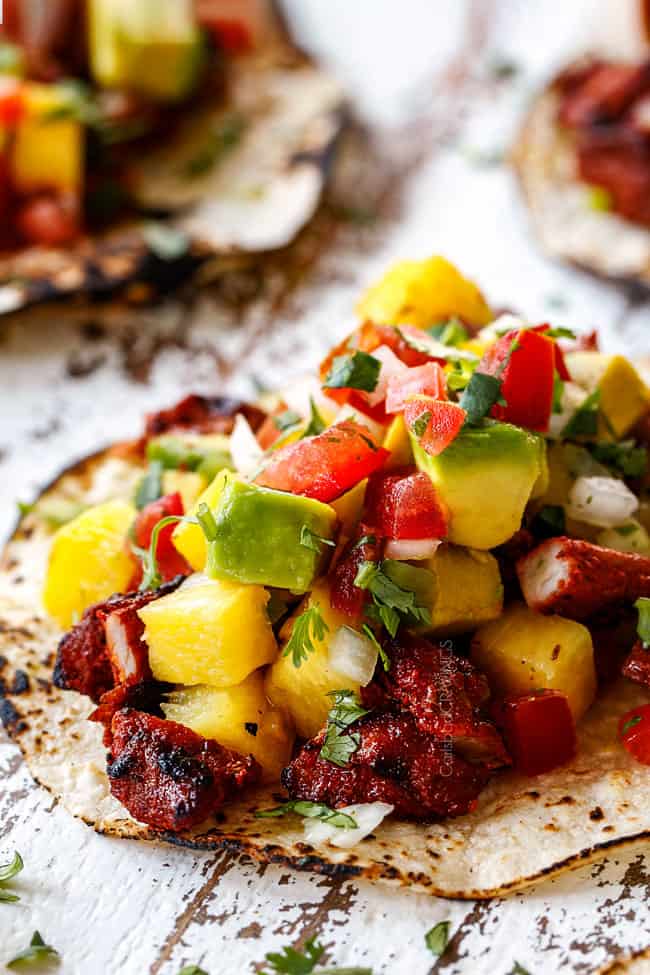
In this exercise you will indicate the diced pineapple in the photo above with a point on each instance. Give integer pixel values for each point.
(421, 293)
(303, 691)
(238, 717)
(560, 479)
(524, 651)
(624, 397)
(349, 506)
(187, 483)
(47, 151)
(188, 538)
(89, 561)
(397, 440)
(208, 632)
(468, 591)
(629, 537)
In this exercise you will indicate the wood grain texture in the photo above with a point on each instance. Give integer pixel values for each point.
(112, 907)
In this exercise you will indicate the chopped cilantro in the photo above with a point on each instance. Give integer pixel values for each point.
(150, 487)
(356, 371)
(428, 345)
(437, 938)
(340, 743)
(383, 656)
(642, 605)
(392, 604)
(316, 423)
(625, 530)
(584, 422)
(630, 723)
(451, 332)
(35, 954)
(421, 423)
(192, 970)
(558, 393)
(481, 394)
(286, 420)
(626, 457)
(519, 970)
(559, 332)
(307, 627)
(312, 541)
(310, 810)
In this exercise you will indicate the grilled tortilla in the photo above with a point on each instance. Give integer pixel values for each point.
(521, 831)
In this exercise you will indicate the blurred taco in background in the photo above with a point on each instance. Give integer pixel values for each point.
(134, 135)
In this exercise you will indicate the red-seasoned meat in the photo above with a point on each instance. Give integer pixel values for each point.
(604, 94)
(145, 696)
(169, 777)
(637, 665)
(106, 648)
(202, 414)
(578, 580)
(394, 763)
(443, 692)
(345, 597)
(623, 169)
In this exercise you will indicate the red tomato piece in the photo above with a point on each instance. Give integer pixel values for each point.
(428, 380)
(560, 363)
(443, 422)
(538, 729)
(634, 729)
(231, 35)
(345, 597)
(327, 465)
(49, 220)
(170, 562)
(404, 505)
(527, 377)
(12, 102)
(269, 432)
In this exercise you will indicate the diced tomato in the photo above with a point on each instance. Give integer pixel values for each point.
(269, 432)
(538, 729)
(237, 25)
(370, 337)
(527, 377)
(560, 363)
(634, 729)
(327, 465)
(48, 219)
(428, 380)
(170, 562)
(359, 401)
(12, 101)
(404, 505)
(443, 422)
(345, 597)
(231, 35)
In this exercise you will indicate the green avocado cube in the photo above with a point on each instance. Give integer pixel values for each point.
(269, 537)
(485, 478)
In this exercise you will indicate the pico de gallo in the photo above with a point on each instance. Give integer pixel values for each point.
(88, 86)
(378, 588)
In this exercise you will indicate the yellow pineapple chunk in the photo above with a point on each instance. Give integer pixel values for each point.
(89, 561)
(303, 691)
(468, 589)
(47, 151)
(238, 717)
(349, 506)
(524, 651)
(188, 484)
(421, 293)
(188, 538)
(208, 632)
(624, 397)
(398, 442)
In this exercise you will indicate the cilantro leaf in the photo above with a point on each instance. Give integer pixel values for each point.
(630, 723)
(642, 605)
(192, 970)
(481, 394)
(307, 627)
(452, 332)
(150, 487)
(391, 602)
(314, 542)
(36, 953)
(151, 577)
(383, 656)
(7, 873)
(625, 457)
(292, 962)
(584, 422)
(421, 423)
(437, 938)
(340, 743)
(558, 393)
(356, 371)
(559, 332)
(436, 349)
(316, 423)
(283, 421)
(310, 810)
(519, 970)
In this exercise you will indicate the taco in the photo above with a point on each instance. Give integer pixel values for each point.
(635, 964)
(137, 136)
(390, 622)
(583, 160)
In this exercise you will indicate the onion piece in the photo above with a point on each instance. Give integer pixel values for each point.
(496, 329)
(390, 366)
(404, 549)
(602, 501)
(246, 453)
(573, 396)
(353, 655)
(367, 815)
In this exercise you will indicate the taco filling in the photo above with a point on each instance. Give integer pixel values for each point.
(381, 591)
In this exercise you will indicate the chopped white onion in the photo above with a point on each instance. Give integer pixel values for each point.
(367, 815)
(246, 453)
(603, 501)
(299, 394)
(348, 412)
(353, 655)
(501, 325)
(404, 549)
(390, 366)
(573, 396)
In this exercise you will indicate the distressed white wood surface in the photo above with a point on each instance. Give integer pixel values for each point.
(116, 907)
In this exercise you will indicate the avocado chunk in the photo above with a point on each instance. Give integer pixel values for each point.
(205, 454)
(154, 48)
(485, 478)
(268, 537)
